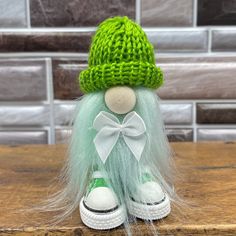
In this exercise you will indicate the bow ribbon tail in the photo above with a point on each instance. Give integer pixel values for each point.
(104, 143)
(136, 145)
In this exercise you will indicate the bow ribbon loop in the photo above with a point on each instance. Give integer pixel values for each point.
(109, 129)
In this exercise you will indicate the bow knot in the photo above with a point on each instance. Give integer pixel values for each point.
(109, 129)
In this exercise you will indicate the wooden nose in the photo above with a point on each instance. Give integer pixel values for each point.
(120, 99)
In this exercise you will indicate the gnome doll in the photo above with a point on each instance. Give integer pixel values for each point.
(119, 162)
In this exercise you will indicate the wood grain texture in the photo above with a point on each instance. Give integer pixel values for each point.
(208, 182)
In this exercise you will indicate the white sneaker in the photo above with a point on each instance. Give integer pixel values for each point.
(99, 209)
(155, 203)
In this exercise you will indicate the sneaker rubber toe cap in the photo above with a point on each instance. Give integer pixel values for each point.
(150, 192)
(101, 199)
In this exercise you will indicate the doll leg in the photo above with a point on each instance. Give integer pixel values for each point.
(150, 201)
(99, 208)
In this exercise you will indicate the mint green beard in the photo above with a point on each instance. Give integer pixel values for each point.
(123, 170)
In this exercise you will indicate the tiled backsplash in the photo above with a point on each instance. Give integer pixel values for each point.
(44, 45)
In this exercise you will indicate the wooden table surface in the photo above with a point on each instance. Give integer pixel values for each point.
(208, 182)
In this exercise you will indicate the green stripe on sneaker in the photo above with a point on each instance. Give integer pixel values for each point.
(146, 178)
(97, 182)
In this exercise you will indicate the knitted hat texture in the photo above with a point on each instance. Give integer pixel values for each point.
(120, 54)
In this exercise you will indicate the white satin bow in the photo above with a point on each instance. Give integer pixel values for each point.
(109, 129)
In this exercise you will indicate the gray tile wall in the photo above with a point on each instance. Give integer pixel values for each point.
(77, 12)
(17, 137)
(23, 80)
(164, 13)
(178, 41)
(224, 40)
(44, 46)
(201, 78)
(13, 14)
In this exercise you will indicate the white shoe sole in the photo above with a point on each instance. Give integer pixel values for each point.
(102, 221)
(150, 212)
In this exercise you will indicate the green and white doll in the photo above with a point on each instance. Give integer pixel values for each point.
(119, 163)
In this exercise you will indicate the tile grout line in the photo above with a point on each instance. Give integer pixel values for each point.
(180, 101)
(93, 29)
(24, 128)
(49, 134)
(49, 30)
(165, 101)
(216, 126)
(195, 7)
(209, 40)
(42, 55)
(84, 56)
(201, 126)
(28, 13)
(194, 121)
(50, 94)
(173, 126)
(71, 102)
(138, 11)
(22, 103)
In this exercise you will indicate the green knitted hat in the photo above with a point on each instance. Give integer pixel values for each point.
(120, 54)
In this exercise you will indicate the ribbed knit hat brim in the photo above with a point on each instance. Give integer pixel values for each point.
(134, 73)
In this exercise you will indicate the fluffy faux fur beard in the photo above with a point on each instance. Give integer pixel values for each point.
(122, 169)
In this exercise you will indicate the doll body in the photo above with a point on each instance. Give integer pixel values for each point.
(119, 163)
(100, 208)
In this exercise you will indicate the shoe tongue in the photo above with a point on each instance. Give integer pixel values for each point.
(96, 183)
(146, 177)
(97, 174)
